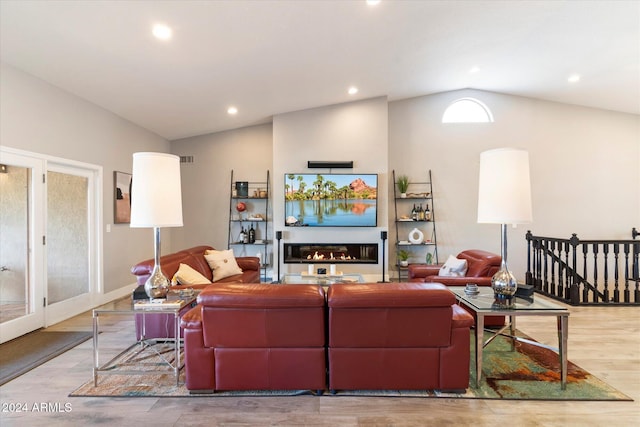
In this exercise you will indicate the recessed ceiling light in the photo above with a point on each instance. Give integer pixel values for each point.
(474, 69)
(373, 2)
(162, 32)
(232, 110)
(353, 90)
(574, 78)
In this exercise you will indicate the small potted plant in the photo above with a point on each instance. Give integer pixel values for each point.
(403, 185)
(429, 258)
(403, 258)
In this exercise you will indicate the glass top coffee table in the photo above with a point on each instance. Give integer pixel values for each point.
(320, 279)
(484, 304)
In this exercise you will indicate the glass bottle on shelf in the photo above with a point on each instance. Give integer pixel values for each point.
(414, 213)
(420, 213)
(252, 234)
(243, 235)
(427, 213)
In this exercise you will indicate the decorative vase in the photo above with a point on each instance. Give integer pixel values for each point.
(404, 263)
(157, 285)
(504, 284)
(403, 195)
(416, 237)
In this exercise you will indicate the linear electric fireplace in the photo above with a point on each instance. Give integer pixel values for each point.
(331, 253)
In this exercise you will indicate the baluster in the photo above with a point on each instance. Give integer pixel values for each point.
(560, 288)
(567, 271)
(546, 266)
(575, 288)
(585, 288)
(561, 273)
(616, 289)
(625, 249)
(536, 263)
(553, 267)
(530, 245)
(595, 272)
(636, 273)
(540, 255)
(605, 247)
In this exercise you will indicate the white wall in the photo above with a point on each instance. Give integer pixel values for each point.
(42, 118)
(584, 168)
(353, 131)
(585, 165)
(206, 183)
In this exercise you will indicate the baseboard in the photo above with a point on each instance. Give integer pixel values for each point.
(124, 291)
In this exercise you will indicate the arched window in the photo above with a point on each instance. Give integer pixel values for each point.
(467, 110)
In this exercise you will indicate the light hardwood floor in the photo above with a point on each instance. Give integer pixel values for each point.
(605, 341)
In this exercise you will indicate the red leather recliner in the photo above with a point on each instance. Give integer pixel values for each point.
(481, 266)
(256, 337)
(397, 336)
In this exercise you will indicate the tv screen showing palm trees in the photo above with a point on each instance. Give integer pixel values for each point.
(330, 200)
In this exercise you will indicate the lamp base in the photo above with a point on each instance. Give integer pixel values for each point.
(504, 284)
(157, 285)
(503, 301)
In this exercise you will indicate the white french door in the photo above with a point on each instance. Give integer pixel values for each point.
(68, 253)
(49, 224)
(21, 247)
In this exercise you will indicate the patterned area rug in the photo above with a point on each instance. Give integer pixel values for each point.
(528, 373)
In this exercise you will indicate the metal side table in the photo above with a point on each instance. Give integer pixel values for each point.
(160, 346)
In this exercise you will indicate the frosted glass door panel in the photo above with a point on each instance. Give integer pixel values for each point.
(14, 243)
(67, 236)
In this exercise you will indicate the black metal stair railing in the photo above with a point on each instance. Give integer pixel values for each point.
(585, 272)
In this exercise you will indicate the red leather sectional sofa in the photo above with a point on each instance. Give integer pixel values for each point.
(194, 257)
(161, 325)
(256, 337)
(374, 336)
(397, 336)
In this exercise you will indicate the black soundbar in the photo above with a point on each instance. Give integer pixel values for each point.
(330, 164)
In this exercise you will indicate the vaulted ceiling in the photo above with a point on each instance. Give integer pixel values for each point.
(270, 57)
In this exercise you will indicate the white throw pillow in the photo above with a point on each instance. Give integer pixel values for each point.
(454, 267)
(223, 263)
(187, 275)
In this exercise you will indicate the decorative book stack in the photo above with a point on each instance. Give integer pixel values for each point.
(161, 304)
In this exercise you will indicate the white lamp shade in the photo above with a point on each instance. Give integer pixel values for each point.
(504, 193)
(156, 196)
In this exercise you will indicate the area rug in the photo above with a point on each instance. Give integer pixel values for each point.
(528, 373)
(24, 353)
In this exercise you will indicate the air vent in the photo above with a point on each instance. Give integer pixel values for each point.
(186, 159)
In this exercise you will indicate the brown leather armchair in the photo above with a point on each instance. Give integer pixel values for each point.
(481, 266)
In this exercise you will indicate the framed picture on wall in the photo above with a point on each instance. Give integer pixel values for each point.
(122, 197)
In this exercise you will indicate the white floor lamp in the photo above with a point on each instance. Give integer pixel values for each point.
(156, 202)
(504, 197)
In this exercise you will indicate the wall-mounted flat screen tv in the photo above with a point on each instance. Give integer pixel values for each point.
(330, 200)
